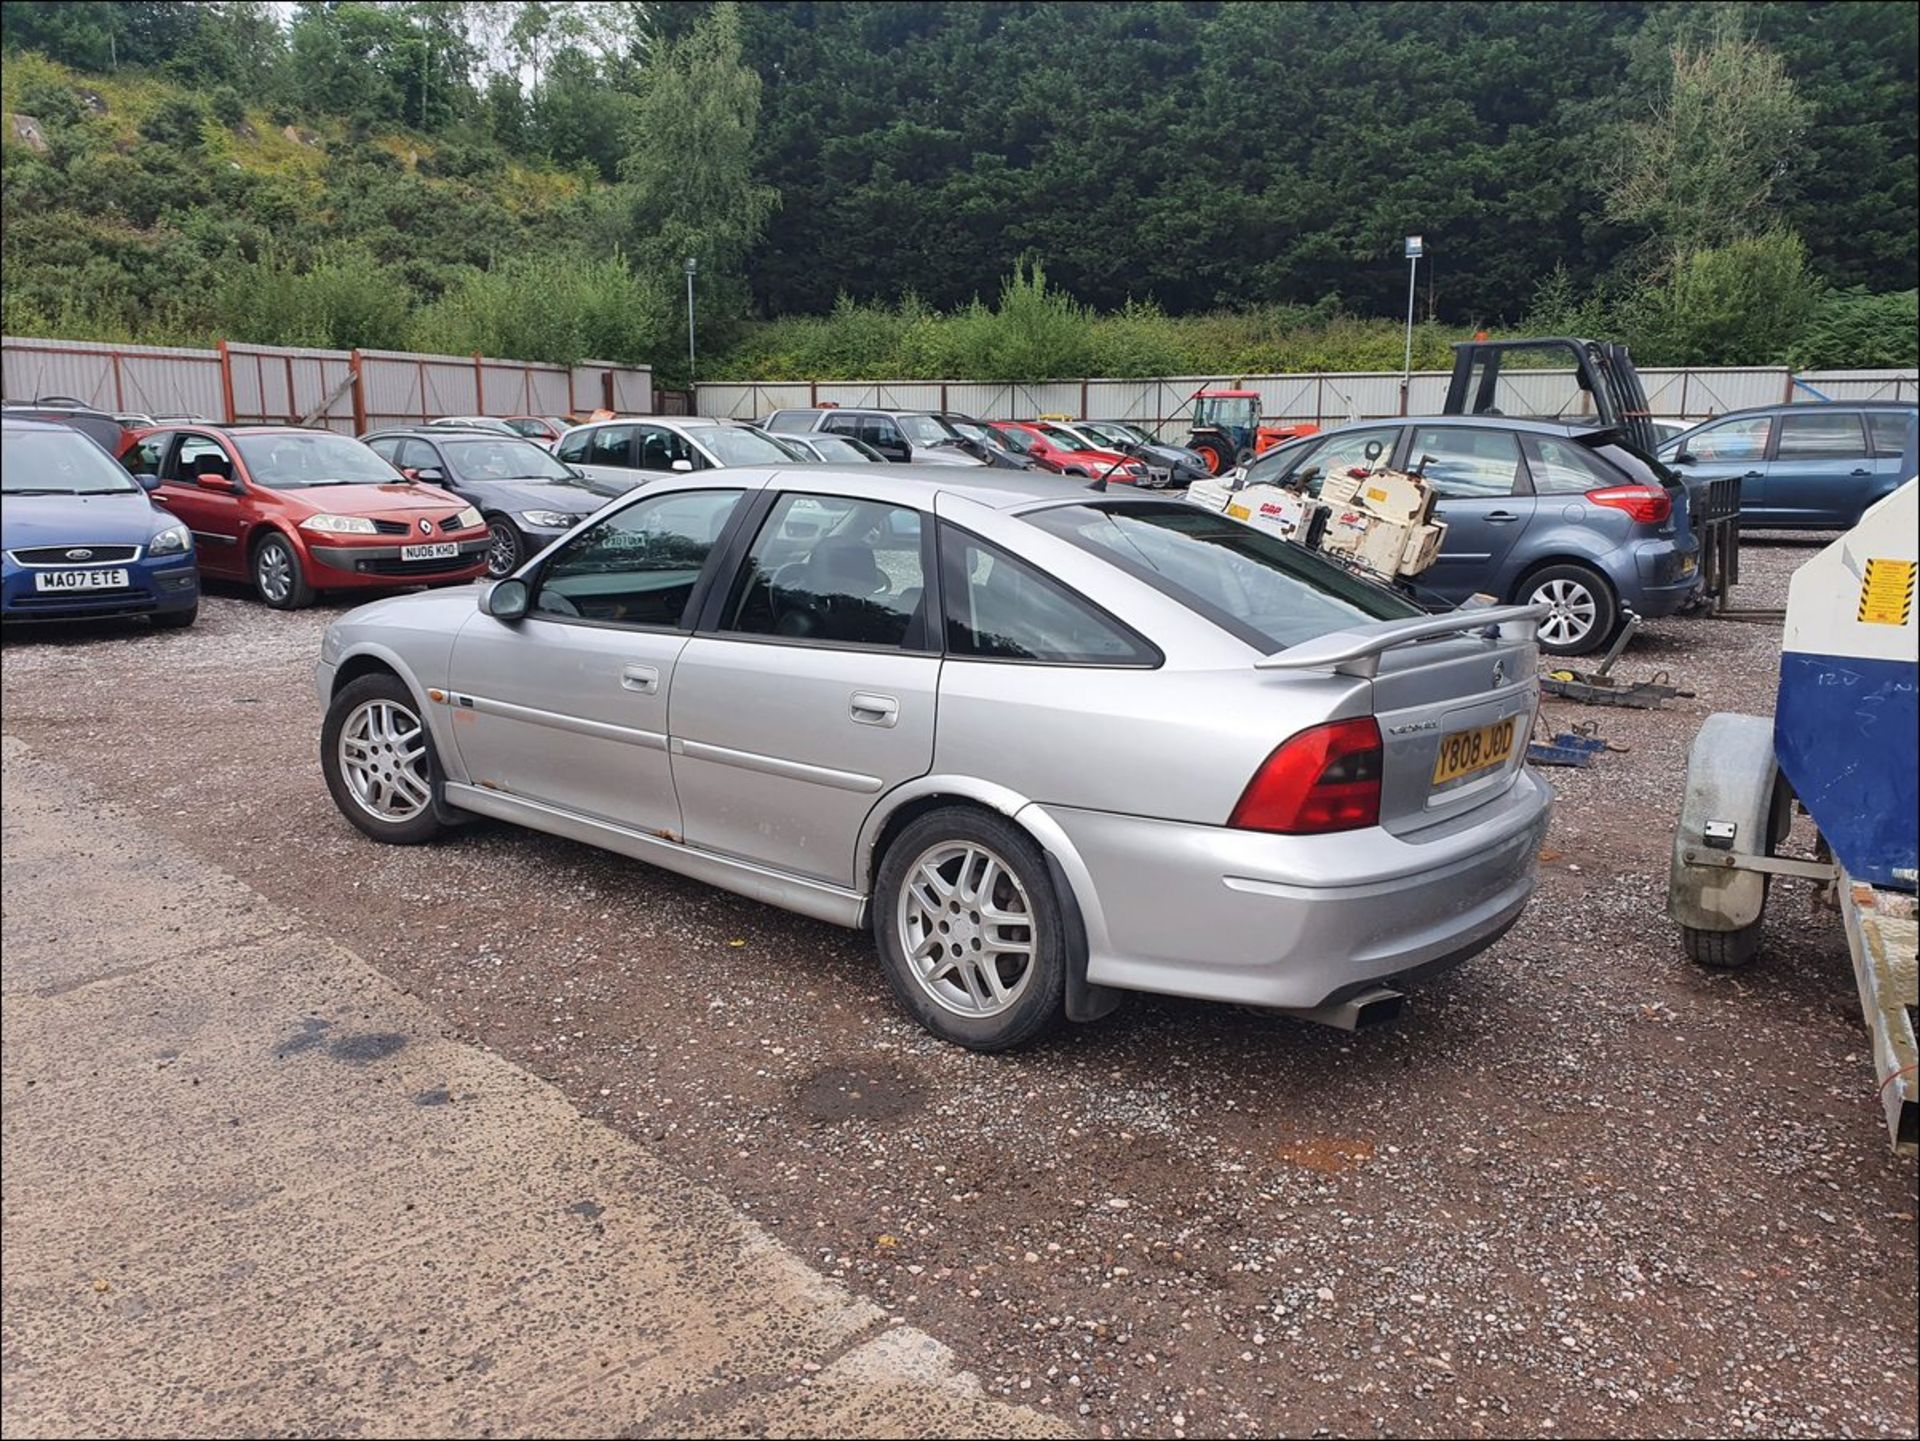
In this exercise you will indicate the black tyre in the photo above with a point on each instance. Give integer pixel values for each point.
(1721, 950)
(1585, 611)
(506, 547)
(278, 574)
(378, 758)
(175, 619)
(969, 930)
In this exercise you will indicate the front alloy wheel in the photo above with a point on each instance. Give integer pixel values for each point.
(383, 759)
(503, 548)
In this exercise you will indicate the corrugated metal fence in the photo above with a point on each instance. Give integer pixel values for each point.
(1161, 405)
(349, 390)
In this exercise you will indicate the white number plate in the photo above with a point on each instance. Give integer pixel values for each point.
(439, 550)
(80, 580)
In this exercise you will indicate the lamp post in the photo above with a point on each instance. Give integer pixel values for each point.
(691, 267)
(1416, 247)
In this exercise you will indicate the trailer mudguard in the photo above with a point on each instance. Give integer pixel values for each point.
(1732, 778)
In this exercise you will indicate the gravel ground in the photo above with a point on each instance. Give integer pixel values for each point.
(1579, 1188)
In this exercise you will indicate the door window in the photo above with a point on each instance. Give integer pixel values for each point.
(1743, 439)
(387, 447)
(1017, 440)
(416, 454)
(1890, 428)
(880, 430)
(143, 457)
(827, 568)
(999, 608)
(1463, 461)
(573, 448)
(639, 565)
(611, 445)
(1559, 467)
(1821, 435)
(657, 448)
(199, 455)
(1347, 449)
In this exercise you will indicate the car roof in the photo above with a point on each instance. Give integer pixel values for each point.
(1810, 406)
(1584, 425)
(21, 422)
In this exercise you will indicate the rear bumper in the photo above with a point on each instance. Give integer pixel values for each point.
(1293, 921)
(1657, 577)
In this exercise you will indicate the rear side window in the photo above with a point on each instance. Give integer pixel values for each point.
(999, 608)
(1465, 462)
(1561, 467)
(797, 421)
(835, 570)
(1266, 591)
(1890, 429)
(1821, 435)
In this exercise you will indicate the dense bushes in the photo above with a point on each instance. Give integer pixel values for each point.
(548, 307)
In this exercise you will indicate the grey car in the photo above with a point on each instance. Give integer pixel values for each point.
(639, 449)
(905, 437)
(528, 497)
(1803, 467)
(1051, 744)
(1536, 511)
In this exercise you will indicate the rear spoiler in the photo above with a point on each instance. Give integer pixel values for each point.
(1358, 652)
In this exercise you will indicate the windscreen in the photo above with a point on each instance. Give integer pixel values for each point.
(735, 446)
(58, 462)
(502, 459)
(1269, 592)
(295, 460)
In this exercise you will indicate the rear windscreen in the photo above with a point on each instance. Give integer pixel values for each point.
(1269, 592)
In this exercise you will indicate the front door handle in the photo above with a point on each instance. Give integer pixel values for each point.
(874, 710)
(1859, 472)
(1753, 475)
(642, 678)
(1502, 517)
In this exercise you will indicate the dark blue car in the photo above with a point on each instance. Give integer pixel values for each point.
(1807, 466)
(81, 538)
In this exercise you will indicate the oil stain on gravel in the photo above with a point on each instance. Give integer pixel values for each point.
(841, 1093)
(354, 1050)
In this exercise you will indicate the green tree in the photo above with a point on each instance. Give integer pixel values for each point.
(1702, 169)
(689, 166)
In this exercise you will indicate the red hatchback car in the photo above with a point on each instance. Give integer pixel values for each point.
(1030, 440)
(296, 511)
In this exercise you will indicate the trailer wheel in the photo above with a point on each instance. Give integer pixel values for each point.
(1721, 950)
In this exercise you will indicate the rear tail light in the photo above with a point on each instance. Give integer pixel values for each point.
(1643, 502)
(1324, 779)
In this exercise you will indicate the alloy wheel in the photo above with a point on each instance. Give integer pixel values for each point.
(503, 549)
(274, 571)
(1573, 609)
(966, 927)
(383, 758)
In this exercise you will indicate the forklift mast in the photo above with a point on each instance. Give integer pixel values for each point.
(1602, 368)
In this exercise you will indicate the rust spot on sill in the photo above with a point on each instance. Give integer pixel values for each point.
(666, 835)
(494, 786)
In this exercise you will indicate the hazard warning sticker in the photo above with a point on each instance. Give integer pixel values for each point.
(1886, 592)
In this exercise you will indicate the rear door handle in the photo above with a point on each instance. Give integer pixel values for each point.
(1502, 517)
(642, 678)
(1859, 472)
(874, 710)
(1752, 474)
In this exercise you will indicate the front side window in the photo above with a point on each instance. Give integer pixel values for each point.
(198, 455)
(1465, 462)
(879, 430)
(59, 462)
(639, 565)
(999, 608)
(1341, 452)
(1743, 439)
(831, 569)
(1890, 430)
(657, 448)
(1019, 441)
(1561, 467)
(416, 454)
(1822, 435)
(1266, 591)
(573, 448)
(304, 459)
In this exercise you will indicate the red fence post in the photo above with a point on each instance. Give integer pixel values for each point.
(226, 382)
(359, 393)
(479, 386)
(421, 367)
(1083, 398)
(293, 403)
(119, 399)
(606, 390)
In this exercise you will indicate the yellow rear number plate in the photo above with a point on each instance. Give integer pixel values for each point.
(1466, 753)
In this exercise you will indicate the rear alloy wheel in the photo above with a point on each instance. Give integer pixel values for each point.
(504, 547)
(1582, 611)
(378, 759)
(279, 576)
(970, 931)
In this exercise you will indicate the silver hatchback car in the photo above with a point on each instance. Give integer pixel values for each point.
(1053, 743)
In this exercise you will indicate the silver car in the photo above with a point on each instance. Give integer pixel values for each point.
(1053, 743)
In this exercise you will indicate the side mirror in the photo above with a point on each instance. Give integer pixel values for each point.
(681, 467)
(1681, 457)
(506, 599)
(216, 480)
(430, 475)
(148, 482)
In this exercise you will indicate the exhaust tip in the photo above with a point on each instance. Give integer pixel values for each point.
(1373, 1007)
